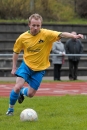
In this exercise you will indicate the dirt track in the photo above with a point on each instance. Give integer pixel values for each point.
(51, 89)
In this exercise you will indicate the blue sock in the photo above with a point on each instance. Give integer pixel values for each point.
(11, 109)
(24, 91)
(13, 97)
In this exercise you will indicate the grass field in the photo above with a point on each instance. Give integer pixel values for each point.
(54, 113)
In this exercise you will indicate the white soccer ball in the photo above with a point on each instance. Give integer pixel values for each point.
(28, 115)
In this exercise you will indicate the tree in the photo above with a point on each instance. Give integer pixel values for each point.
(81, 8)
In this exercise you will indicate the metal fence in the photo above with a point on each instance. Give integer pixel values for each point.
(6, 55)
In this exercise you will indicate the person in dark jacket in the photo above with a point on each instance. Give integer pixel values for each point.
(73, 46)
(58, 61)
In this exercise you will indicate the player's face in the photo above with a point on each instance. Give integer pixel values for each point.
(35, 26)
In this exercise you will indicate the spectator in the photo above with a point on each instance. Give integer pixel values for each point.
(58, 48)
(73, 46)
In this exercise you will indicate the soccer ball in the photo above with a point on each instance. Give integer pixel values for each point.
(28, 115)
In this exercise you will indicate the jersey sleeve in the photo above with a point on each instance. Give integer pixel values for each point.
(53, 35)
(18, 46)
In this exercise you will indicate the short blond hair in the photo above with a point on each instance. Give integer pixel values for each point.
(35, 16)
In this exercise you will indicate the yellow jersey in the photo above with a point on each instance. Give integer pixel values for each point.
(36, 48)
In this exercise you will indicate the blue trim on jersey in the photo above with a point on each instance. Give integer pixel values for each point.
(33, 78)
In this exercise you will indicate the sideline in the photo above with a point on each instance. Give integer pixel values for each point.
(84, 78)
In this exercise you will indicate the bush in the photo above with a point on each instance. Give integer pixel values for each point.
(50, 10)
(81, 8)
(11, 9)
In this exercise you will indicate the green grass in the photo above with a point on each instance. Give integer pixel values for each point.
(54, 113)
(72, 21)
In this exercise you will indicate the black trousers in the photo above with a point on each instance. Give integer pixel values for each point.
(57, 71)
(73, 69)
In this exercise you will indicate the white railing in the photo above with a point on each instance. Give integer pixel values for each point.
(69, 55)
(6, 55)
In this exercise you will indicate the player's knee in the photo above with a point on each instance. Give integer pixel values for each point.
(30, 95)
(17, 88)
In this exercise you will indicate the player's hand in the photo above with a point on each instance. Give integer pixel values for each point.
(13, 71)
(79, 36)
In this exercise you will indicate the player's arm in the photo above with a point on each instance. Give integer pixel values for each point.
(70, 35)
(14, 66)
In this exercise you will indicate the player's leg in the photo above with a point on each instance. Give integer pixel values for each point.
(34, 82)
(20, 73)
(26, 91)
(14, 95)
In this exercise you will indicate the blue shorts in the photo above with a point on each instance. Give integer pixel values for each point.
(33, 78)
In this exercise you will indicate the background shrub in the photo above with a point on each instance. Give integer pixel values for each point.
(51, 10)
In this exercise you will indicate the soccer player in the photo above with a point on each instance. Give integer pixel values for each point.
(36, 44)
